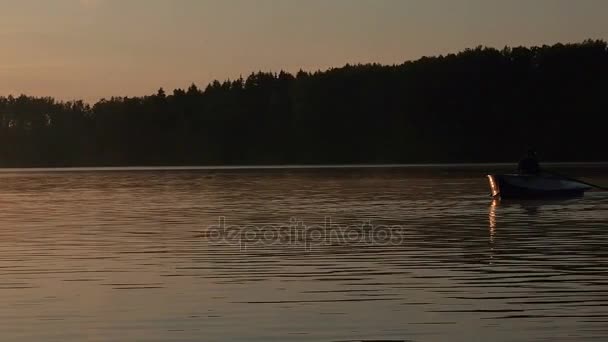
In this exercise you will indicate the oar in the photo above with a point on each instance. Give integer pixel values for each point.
(576, 180)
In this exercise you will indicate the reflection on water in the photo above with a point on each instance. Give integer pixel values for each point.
(493, 224)
(178, 255)
(492, 218)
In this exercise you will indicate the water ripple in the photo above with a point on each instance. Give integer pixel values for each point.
(384, 255)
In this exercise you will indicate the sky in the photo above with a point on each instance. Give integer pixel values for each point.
(89, 49)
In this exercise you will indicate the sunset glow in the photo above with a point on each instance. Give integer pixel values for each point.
(98, 48)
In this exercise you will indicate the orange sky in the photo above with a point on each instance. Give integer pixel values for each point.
(98, 48)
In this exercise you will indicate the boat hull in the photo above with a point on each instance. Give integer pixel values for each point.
(524, 186)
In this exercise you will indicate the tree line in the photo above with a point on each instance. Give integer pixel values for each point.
(478, 105)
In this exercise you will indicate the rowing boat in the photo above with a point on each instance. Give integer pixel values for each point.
(535, 186)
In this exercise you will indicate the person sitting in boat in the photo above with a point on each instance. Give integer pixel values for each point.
(529, 164)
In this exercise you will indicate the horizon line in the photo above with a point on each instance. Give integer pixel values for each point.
(285, 167)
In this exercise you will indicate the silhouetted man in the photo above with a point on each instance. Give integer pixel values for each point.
(529, 164)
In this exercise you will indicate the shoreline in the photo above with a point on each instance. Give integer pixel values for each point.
(295, 167)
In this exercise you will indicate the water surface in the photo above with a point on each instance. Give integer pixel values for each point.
(302, 255)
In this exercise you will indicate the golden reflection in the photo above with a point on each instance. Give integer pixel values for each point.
(493, 223)
(492, 219)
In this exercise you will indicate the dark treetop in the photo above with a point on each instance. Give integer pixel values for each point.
(478, 105)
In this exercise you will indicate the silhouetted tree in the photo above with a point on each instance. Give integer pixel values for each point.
(481, 104)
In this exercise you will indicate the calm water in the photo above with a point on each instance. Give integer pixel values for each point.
(277, 255)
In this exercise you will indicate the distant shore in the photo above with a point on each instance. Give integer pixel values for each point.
(489, 166)
(475, 105)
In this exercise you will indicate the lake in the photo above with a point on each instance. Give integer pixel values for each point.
(394, 254)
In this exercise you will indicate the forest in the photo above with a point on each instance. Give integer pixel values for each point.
(478, 105)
